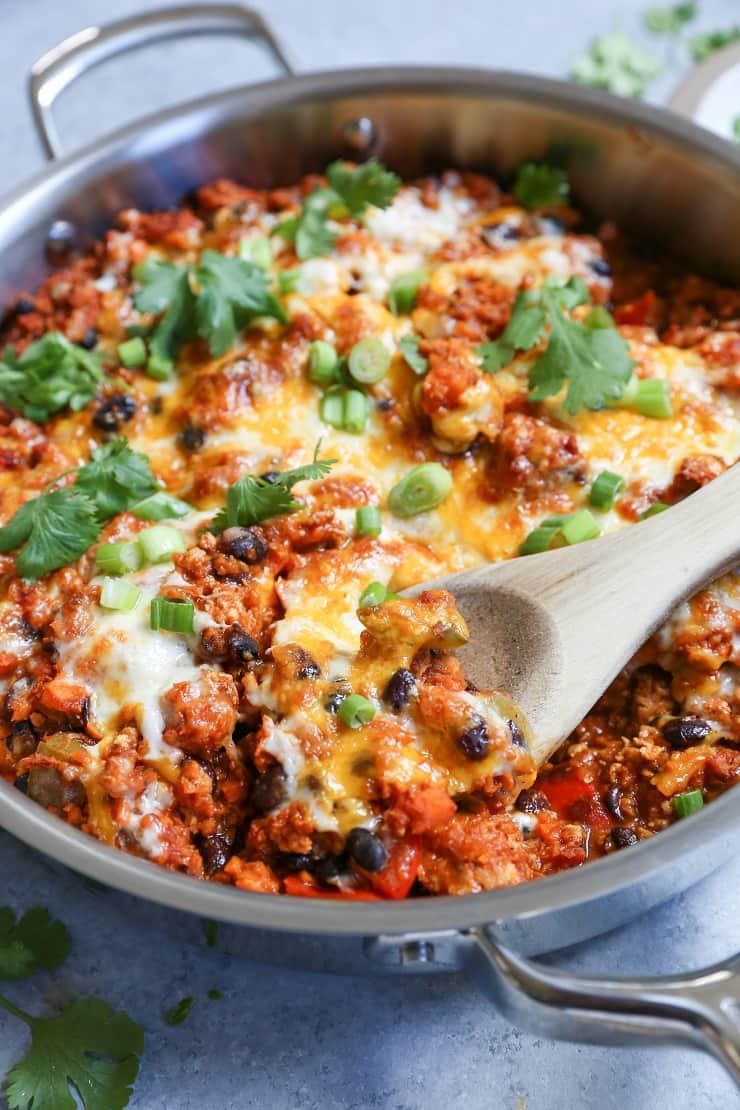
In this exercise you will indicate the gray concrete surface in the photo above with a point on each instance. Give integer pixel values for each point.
(284, 1040)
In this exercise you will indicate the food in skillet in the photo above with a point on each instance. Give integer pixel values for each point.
(232, 433)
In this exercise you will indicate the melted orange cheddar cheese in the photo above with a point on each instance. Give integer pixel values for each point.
(228, 751)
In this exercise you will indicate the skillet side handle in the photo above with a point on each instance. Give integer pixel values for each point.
(698, 95)
(64, 63)
(701, 1008)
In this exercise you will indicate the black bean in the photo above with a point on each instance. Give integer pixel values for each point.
(684, 732)
(271, 476)
(400, 689)
(517, 736)
(474, 742)
(307, 669)
(243, 648)
(613, 802)
(532, 801)
(89, 339)
(215, 850)
(114, 412)
(600, 267)
(244, 544)
(23, 740)
(332, 703)
(192, 438)
(23, 306)
(21, 783)
(328, 870)
(295, 861)
(622, 837)
(269, 790)
(367, 850)
(384, 404)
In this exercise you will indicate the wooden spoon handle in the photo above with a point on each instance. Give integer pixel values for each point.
(606, 597)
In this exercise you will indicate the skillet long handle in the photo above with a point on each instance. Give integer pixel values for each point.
(701, 1008)
(65, 62)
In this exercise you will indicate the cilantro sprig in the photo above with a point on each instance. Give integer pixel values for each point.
(350, 192)
(49, 375)
(538, 185)
(57, 527)
(214, 299)
(592, 358)
(88, 1049)
(252, 499)
(707, 42)
(669, 21)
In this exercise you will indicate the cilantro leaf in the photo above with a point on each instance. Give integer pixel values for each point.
(370, 183)
(33, 942)
(49, 375)
(409, 348)
(54, 529)
(89, 1048)
(538, 185)
(592, 357)
(116, 478)
(616, 63)
(707, 42)
(252, 499)
(350, 191)
(669, 21)
(231, 291)
(165, 286)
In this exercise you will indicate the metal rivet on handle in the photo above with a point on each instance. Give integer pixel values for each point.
(360, 135)
(60, 241)
(417, 952)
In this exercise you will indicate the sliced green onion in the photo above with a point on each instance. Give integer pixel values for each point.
(576, 528)
(368, 521)
(374, 594)
(132, 352)
(322, 363)
(423, 488)
(116, 593)
(161, 506)
(356, 410)
(160, 542)
(331, 409)
(369, 360)
(403, 292)
(118, 558)
(159, 368)
(627, 398)
(653, 510)
(684, 804)
(409, 348)
(356, 711)
(653, 398)
(561, 531)
(167, 615)
(257, 250)
(606, 486)
(288, 280)
(539, 540)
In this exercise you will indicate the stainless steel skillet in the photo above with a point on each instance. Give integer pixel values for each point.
(653, 172)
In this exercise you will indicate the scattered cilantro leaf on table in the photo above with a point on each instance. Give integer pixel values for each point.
(670, 20)
(88, 1046)
(350, 192)
(538, 185)
(59, 525)
(49, 375)
(707, 42)
(616, 63)
(180, 1011)
(591, 358)
(36, 941)
(252, 499)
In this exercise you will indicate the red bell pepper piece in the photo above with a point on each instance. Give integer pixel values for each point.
(304, 888)
(566, 792)
(398, 875)
(639, 312)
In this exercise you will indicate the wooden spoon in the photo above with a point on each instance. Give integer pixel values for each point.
(553, 630)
